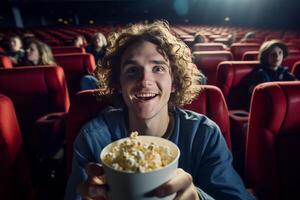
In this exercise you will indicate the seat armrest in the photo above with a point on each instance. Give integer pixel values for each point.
(49, 133)
(238, 129)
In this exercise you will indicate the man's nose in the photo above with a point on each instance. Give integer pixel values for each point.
(146, 78)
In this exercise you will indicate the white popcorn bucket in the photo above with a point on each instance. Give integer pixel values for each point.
(136, 185)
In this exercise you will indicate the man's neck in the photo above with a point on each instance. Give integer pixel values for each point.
(156, 126)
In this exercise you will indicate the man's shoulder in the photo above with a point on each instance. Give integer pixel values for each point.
(103, 118)
(188, 118)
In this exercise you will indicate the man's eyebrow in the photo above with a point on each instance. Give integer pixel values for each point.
(163, 62)
(133, 62)
(129, 62)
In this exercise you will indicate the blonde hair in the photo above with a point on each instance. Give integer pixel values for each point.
(45, 52)
(185, 76)
(101, 37)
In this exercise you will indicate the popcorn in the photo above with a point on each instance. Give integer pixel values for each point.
(133, 155)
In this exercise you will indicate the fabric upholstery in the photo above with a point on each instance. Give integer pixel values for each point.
(35, 91)
(67, 50)
(15, 181)
(233, 80)
(211, 103)
(296, 70)
(75, 67)
(273, 145)
(238, 49)
(208, 47)
(5, 62)
(207, 62)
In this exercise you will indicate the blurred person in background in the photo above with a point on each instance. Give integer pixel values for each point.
(80, 41)
(15, 50)
(97, 47)
(37, 53)
(271, 55)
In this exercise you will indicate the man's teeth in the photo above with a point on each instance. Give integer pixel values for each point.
(146, 95)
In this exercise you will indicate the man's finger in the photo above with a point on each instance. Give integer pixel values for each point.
(94, 169)
(178, 183)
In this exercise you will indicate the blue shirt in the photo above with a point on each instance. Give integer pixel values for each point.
(204, 153)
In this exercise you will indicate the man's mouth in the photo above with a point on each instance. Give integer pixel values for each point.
(145, 96)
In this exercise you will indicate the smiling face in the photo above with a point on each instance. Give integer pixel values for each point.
(145, 81)
(275, 57)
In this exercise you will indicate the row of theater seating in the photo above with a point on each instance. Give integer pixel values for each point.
(272, 167)
(209, 60)
(76, 62)
(232, 79)
(75, 65)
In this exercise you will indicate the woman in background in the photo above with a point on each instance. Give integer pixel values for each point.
(38, 53)
(97, 47)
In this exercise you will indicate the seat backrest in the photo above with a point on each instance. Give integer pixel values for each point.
(250, 55)
(238, 49)
(211, 103)
(15, 181)
(67, 50)
(85, 105)
(5, 62)
(208, 47)
(75, 66)
(291, 59)
(273, 144)
(207, 62)
(35, 91)
(233, 80)
(296, 70)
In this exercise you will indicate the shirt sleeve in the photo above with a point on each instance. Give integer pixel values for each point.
(215, 175)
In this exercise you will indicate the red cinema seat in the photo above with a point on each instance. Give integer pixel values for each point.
(291, 59)
(15, 181)
(207, 62)
(250, 55)
(208, 47)
(238, 49)
(273, 145)
(253, 55)
(5, 62)
(211, 103)
(75, 66)
(296, 70)
(35, 91)
(233, 80)
(85, 106)
(67, 50)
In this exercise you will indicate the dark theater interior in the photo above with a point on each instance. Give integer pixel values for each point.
(219, 78)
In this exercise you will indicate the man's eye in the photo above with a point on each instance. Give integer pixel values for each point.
(159, 68)
(132, 71)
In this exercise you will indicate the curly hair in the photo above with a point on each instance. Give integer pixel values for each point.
(184, 73)
(267, 47)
